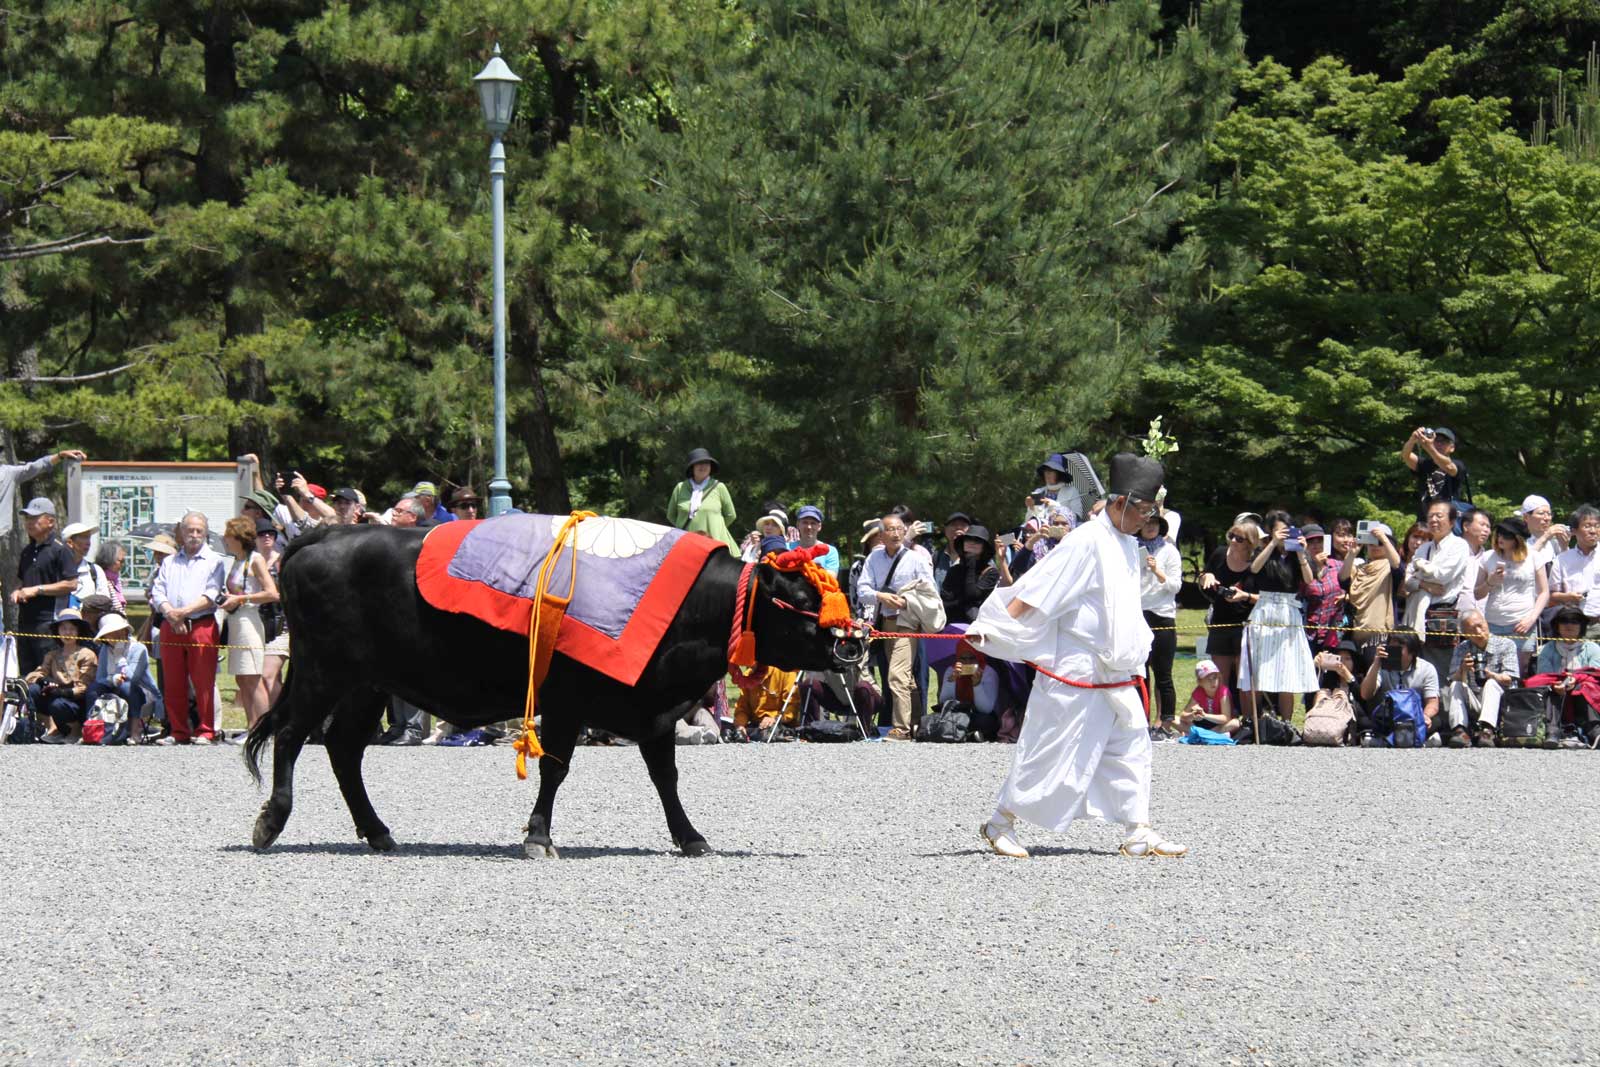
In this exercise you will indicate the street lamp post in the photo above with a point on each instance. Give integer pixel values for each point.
(497, 92)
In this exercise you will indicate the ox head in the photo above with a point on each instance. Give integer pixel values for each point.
(802, 619)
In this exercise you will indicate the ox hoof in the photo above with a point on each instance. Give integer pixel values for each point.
(264, 833)
(383, 842)
(696, 848)
(537, 849)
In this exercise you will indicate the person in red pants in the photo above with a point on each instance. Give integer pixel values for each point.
(185, 594)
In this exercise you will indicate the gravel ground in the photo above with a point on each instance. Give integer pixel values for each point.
(1339, 906)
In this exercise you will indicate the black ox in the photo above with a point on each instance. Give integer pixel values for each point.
(362, 631)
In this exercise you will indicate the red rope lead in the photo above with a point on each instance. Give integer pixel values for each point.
(1136, 682)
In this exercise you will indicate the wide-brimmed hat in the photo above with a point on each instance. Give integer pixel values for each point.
(874, 528)
(1161, 524)
(775, 516)
(76, 529)
(67, 615)
(261, 499)
(162, 545)
(1055, 462)
(266, 526)
(110, 624)
(977, 532)
(699, 455)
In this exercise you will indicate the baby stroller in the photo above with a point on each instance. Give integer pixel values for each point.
(18, 723)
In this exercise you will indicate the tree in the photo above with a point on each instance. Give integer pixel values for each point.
(1359, 293)
(908, 248)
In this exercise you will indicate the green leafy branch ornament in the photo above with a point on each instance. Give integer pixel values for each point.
(1158, 446)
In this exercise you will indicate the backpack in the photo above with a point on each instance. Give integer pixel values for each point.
(950, 724)
(1527, 717)
(1401, 713)
(829, 731)
(1328, 721)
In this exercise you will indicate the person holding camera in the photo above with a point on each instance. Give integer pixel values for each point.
(1398, 664)
(1370, 582)
(57, 686)
(1483, 668)
(1440, 476)
(1276, 657)
(1229, 584)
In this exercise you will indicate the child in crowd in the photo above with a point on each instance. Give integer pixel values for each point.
(1211, 705)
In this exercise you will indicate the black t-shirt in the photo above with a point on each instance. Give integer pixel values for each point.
(1224, 611)
(43, 564)
(1279, 574)
(1434, 484)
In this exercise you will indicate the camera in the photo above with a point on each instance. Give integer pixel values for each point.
(1392, 651)
(1293, 543)
(1426, 434)
(1364, 534)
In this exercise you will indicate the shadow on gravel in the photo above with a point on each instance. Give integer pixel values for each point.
(491, 852)
(1046, 850)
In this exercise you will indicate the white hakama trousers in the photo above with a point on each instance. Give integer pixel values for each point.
(1083, 754)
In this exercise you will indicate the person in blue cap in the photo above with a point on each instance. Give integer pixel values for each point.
(808, 523)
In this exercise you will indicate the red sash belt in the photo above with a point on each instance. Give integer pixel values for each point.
(1135, 682)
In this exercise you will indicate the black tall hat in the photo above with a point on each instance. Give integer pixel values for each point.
(699, 455)
(1136, 476)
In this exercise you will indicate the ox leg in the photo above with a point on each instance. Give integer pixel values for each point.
(559, 738)
(299, 715)
(661, 758)
(353, 726)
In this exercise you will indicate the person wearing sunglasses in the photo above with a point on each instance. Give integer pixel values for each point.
(1085, 750)
(1230, 586)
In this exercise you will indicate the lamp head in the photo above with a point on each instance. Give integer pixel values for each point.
(497, 92)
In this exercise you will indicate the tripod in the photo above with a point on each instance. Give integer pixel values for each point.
(823, 677)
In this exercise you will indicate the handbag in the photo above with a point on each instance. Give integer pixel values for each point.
(924, 610)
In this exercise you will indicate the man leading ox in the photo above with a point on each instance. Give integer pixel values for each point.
(1084, 751)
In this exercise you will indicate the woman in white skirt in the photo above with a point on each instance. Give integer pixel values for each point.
(249, 586)
(1276, 657)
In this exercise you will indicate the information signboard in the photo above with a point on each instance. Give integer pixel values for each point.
(132, 502)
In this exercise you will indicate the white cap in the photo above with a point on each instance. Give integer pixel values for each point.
(75, 530)
(1206, 668)
(110, 623)
(1533, 503)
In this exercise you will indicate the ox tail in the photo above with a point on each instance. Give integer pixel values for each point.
(265, 727)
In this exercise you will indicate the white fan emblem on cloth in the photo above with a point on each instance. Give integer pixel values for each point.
(607, 538)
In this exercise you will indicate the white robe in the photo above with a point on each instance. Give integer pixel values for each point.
(1083, 753)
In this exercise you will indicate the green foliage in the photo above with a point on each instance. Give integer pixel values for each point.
(1358, 293)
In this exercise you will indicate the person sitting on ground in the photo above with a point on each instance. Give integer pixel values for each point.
(968, 584)
(93, 609)
(56, 687)
(1342, 668)
(1398, 664)
(1569, 651)
(974, 686)
(808, 525)
(1210, 705)
(1483, 668)
(123, 669)
(1160, 578)
(1514, 589)
(762, 703)
(947, 557)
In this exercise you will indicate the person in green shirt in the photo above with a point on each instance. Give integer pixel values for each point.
(700, 503)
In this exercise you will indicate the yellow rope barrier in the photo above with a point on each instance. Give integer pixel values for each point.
(527, 745)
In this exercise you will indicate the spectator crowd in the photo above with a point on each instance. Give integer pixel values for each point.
(1466, 629)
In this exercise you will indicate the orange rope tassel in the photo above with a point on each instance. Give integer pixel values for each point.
(543, 628)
